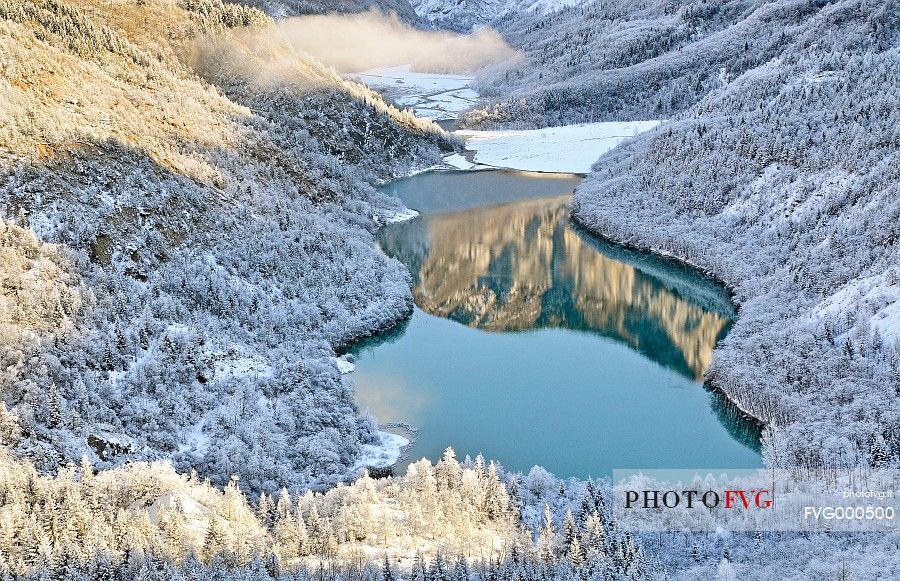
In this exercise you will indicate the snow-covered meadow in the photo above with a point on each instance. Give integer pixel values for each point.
(565, 149)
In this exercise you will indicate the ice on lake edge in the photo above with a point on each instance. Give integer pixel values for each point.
(344, 364)
(384, 455)
(564, 149)
(399, 216)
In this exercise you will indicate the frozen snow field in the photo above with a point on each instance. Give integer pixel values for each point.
(566, 149)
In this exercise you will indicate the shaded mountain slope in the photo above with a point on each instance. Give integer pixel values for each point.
(784, 184)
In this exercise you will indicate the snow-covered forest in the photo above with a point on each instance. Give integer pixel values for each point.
(204, 202)
(149, 522)
(784, 184)
(187, 217)
(282, 8)
(628, 60)
(466, 15)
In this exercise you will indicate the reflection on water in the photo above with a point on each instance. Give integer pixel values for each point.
(394, 398)
(521, 266)
(534, 343)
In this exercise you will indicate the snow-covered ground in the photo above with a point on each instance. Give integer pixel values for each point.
(432, 95)
(238, 366)
(458, 161)
(566, 149)
(383, 455)
(345, 363)
(877, 296)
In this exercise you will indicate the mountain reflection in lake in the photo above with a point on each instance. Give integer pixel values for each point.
(534, 343)
(522, 266)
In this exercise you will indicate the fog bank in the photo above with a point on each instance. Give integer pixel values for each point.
(358, 42)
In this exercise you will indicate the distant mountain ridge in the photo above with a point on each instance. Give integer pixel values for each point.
(464, 15)
(282, 8)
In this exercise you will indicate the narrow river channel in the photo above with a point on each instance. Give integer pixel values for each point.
(535, 343)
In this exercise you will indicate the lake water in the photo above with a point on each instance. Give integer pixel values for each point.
(535, 343)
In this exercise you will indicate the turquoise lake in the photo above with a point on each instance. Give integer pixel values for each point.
(534, 343)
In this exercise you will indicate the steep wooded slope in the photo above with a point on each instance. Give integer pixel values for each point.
(784, 183)
(282, 8)
(633, 59)
(211, 193)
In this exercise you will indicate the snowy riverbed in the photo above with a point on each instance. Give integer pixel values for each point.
(431, 95)
(566, 149)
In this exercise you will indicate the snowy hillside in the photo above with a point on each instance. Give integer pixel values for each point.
(784, 183)
(463, 15)
(209, 202)
(628, 60)
(287, 8)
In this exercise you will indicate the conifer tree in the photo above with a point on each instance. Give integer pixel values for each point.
(438, 570)
(418, 571)
(461, 569)
(86, 472)
(479, 467)
(570, 532)
(387, 570)
(301, 535)
(496, 499)
(547, 537)
(265, 511)
(54, 407)
(596, 536)
(448, 471)
(284, 503)
(215, 538)
(576, 555)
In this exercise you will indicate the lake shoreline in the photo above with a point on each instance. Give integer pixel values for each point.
(482, 198)
(520, 150)
(708, 273)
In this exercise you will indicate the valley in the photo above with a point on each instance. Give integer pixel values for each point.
(384, 289)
